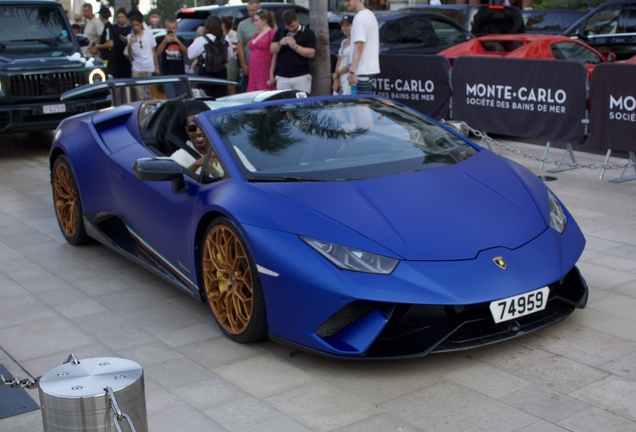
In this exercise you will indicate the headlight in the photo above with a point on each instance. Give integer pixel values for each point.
(558, 221)
(347, 258)
(96, 75)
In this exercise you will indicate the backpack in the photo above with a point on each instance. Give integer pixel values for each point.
(215, 54)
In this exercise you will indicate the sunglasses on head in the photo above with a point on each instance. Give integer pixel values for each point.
(192, 128)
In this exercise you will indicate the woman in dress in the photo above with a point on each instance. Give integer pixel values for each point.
(340, 83)
(261, 60)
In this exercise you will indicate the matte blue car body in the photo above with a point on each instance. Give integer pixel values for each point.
(445, 225)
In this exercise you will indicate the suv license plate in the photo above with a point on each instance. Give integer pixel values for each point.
(52, 109)
(518, 306)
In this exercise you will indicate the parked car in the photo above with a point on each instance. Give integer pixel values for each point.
(477, 18)
(611, 27)
(189, 19)
(341, 225)
(550, 21)
(409, 32)
(40, 59)
(537, 46)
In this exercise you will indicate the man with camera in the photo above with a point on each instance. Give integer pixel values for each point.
(293, 46)
(171, 50)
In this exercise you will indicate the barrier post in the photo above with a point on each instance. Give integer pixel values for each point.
(631, 161)
(570, 151)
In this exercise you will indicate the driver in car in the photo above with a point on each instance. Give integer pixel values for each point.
(197, 141)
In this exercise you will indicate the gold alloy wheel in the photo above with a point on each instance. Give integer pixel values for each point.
(65, 199)
(227, 278)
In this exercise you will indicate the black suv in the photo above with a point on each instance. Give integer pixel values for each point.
(189, 19)
(478, 19)
(611, 27)
(39, 60)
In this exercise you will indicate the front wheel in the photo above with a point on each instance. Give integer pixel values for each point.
(231, 283)
(68, 206)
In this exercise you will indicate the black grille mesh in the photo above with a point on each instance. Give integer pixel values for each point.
(53, 84)
(344, 317)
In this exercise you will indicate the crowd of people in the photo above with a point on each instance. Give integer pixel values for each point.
(258, 55)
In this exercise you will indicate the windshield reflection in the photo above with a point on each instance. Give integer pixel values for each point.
(338, 139)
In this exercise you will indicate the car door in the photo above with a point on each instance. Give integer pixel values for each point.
(410, 35)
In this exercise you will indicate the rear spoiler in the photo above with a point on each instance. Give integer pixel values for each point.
(113, 85)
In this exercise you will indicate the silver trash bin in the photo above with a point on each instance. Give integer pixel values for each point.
(75, 397)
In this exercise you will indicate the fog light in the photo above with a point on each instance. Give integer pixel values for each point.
(96, 75)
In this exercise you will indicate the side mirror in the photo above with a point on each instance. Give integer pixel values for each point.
(581, 34)
(161, 169)
(610, 57)
(82, 40)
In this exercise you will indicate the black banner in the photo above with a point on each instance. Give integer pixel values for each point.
(613, 110)
(540, 99)
(421, 82)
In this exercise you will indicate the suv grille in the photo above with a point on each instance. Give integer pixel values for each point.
(53, 84)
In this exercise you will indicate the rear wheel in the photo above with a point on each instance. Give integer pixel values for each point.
(231, 283)
(68, 206)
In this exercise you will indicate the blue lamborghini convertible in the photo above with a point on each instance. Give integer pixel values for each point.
(347, 226)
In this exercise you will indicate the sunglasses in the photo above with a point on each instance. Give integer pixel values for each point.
(140, 44)
(192, 128)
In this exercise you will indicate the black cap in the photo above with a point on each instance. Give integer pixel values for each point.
(347, 18)
(104, 11)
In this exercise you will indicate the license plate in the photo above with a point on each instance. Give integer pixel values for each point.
(52, 109)
(518, 306)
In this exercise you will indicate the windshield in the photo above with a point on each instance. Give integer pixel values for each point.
(338, 139)
(43, 25)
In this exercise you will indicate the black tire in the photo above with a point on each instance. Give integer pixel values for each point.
(67, 202)
(231, 283)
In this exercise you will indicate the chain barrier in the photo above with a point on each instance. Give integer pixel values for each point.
(483, 136)
(16, 384)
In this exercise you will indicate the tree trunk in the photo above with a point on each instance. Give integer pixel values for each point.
(321, 63)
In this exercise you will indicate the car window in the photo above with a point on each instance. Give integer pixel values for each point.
(34, 24)
(189, 24)
(332, 140)
(604, 21)
(574, 51)
(630, 19)
(496, 20)
(446, 33)
(393, 34)
(303, 17)
(213, 167)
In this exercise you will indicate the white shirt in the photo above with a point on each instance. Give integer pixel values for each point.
(196, 48)
(365, 29)
(94, 29)
(143, 58)
(184, 158)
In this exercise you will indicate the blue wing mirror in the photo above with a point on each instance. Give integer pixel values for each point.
(161, 169)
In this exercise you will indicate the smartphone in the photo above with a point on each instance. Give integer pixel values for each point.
(169, 31)
(290, 34)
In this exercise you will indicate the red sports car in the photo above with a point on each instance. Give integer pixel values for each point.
(536, 46)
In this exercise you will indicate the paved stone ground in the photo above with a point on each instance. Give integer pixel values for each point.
(579, 375)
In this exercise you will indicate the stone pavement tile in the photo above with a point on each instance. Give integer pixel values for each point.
(622, 250)
(278, 424)
(487, 380)
(620, 327)
(300, 359)
(8, 253)
(41, 365)
(122, 336)
(45, 248)
(598, 244)
(189, 335)
(601, 277)
(624, 367)
(99, 283)
(98, 322)
(544, 403)
(26, 239)
(163, 318)
(613, 262)
(613, 394)
(613, 304)
(383, 422)
(27, 422)
(183, 300)
(510, 356)
(588, 317)
(80, 309)
(150, 354)
(210, 392)
(594, 420)
(377, 382)
(22, 270)
(320, 406)
(25, 204)
(131, 300)
(442, 363)
(41, 338)
(22, 310)
(264, 375)
(45, 212)
(10, 288)
(218, 352)
(44, 225)
(182, 418)
(582, 344)
(63, 296)
(624, 235)
(561, 374)
(542, 426)
(241, 413)
(177, 373)
(628, 289)
(48, 283)
(449, 406)
(159, 398)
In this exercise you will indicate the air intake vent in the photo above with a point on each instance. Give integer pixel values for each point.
(345, 317)
(53, 84)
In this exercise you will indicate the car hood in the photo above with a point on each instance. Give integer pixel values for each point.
(449, 213)
(29, 61)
